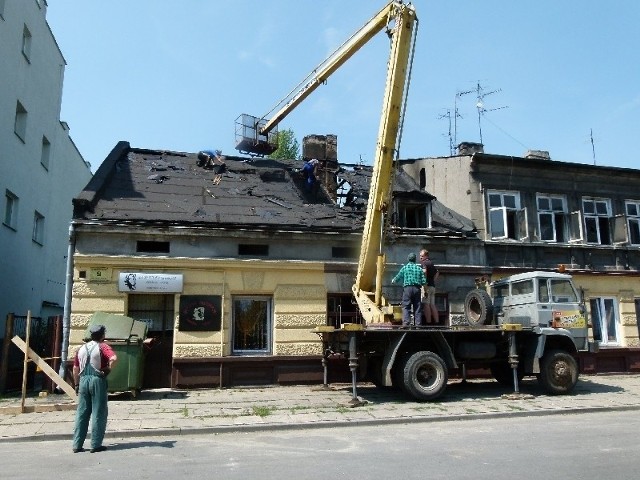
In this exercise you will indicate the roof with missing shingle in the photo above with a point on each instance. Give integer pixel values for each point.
(142, 186)
(156, 187)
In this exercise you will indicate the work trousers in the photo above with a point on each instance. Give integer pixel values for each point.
(411, 301)
(92, 400)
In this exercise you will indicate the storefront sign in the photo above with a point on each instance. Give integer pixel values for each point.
(200, 313)
(150, 282)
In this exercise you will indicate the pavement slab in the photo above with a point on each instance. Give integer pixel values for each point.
(180, 412)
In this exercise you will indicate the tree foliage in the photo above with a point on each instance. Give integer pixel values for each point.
(288, 146)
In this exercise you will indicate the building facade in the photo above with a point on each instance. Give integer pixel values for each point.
(42, 169)
(233, 267)
(532, 212)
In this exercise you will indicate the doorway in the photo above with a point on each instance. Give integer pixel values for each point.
(157, 311)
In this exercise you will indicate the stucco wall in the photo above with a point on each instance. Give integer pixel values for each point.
(297, 290)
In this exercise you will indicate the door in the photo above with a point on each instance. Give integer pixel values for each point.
(158, 313)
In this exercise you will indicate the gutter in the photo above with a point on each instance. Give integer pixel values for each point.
(66, 315)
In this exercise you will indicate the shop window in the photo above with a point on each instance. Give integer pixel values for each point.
(252, 324)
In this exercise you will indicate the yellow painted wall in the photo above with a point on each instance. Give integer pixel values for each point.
(297, 290)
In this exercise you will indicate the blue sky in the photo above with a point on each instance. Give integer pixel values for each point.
(175, 75)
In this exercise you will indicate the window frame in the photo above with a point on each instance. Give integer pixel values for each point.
(601, 333)
(511, 217)
(556, 216)
(20, 122)
(633, 219)
(27, 38)
(267, 332)
(595, 222)
(10, 218)
(38, 228)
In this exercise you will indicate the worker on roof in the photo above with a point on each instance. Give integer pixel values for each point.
(208, 159)
(310, 172)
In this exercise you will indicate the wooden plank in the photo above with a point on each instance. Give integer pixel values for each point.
(44, 366)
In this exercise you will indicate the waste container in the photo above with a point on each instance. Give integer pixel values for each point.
(126, 336)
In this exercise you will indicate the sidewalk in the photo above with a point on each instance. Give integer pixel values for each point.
(182, 412)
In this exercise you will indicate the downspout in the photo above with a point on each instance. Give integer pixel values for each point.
(66, 315)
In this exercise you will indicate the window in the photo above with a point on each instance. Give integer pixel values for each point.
(20, 125)
(604, 320)
(552, 214)
(597, 214)
(633, 221)
(343, 252)
(543, 290)
(342, 308)
(147, 246)
(562, 292)
(2, 2)
(413, 215)
(523, 287)
(253, 250)
(423, 179)
(38, 228)
(45, 154)
(252, 321)
(506, 218)
(11, 210)
(26, 43)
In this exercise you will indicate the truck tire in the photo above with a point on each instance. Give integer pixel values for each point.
(503, 373)
(558, 372)
(478, 308)
(424, 375)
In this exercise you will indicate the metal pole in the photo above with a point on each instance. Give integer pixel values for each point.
(353, 366)
(513, 360)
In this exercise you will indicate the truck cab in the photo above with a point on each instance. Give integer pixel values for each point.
(544, 301)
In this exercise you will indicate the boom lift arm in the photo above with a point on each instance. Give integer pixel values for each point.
(399, 20)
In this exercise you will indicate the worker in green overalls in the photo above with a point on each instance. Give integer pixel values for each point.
(92, 363)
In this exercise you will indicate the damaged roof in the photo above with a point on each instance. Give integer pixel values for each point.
(142, 187)
(151, 186)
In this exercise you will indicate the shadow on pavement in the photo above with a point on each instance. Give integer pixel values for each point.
(142, 444)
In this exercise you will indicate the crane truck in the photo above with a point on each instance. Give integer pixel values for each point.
(532, 324)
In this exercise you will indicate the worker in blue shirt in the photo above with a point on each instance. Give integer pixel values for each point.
(413, 279)
(209, 158)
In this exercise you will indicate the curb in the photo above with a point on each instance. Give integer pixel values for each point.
(215, 430)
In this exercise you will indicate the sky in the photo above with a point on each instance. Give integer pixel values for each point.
(561, 76)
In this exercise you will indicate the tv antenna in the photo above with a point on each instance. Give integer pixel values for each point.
(448, 116)
(593, 147)
(480, 95)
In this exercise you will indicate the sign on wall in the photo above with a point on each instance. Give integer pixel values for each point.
(200, 313)
(150, 282)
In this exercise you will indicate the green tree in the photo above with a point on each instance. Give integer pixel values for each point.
(288, 146)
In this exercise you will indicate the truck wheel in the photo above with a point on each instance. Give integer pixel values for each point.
(478, 308)
(558, 372)
(503, 373)
(424, 375)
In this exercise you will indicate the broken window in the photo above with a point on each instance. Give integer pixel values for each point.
(633, 221)
(506, 218)
(552, 218)
(413, 215)
(597, 214)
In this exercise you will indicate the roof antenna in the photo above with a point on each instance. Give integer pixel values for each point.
(480, 94)
(593, 148)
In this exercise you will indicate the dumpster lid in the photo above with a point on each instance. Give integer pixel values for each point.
(118, 327)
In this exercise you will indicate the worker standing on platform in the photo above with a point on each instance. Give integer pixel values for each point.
(413, 279)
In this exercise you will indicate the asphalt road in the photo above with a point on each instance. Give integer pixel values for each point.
(585, 446)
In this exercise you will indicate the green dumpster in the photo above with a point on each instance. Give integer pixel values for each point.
(125, 336)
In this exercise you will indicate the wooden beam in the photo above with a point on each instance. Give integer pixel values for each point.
(44, 366)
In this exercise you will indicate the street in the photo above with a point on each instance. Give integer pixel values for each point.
(585, 446)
